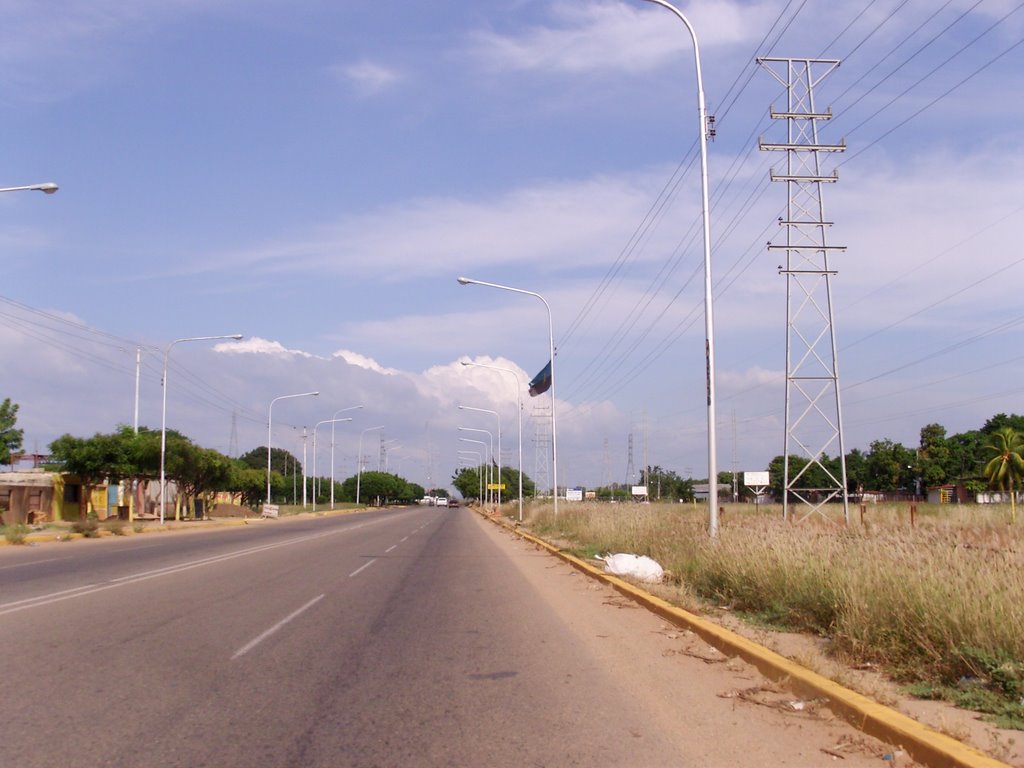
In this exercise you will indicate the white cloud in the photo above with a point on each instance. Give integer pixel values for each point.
(361, 361)
(562, 222)
(615, 36)
(367, 77)
(257, 346)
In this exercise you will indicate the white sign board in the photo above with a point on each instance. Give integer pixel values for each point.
(270, 510)
(639, 490)
(574, 494)
(756, 479)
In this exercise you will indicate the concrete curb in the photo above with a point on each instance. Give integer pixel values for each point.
(922, 743)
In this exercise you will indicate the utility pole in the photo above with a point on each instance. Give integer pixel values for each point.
(303, 467)
(814, 423)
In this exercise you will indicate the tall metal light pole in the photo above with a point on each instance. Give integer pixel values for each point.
(340, 410)
(709, 323)
(270, 419)
(479, 467)
(163, 410)
(483, 455)
(316, 426)
(498, 416)
(519, 403)
(551, 350)
(47, 187)
(490, 463)
(359, 464)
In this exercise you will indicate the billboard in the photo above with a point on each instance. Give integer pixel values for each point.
(756, 479)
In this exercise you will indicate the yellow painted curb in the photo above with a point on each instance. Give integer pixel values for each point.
(884, 723)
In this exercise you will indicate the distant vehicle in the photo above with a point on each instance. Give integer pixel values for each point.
(453, 502)
(442, 501)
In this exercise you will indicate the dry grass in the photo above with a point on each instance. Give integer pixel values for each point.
(936, 604)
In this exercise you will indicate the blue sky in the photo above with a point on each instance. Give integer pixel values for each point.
(315, 176)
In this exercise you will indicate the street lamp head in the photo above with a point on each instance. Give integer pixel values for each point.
(237, 337)
(48, 188)
(464, 280)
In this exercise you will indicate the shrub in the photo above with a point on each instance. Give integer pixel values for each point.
(15, 534)
(89, 527)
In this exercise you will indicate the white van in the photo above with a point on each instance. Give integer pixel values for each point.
(442, 501)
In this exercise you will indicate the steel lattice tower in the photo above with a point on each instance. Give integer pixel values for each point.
(630, 468)
(814, 423)
(542, 443)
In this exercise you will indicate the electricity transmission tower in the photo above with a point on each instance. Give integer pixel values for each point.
(233, 441)
(630, 468)
(813, 414)
(542, 442)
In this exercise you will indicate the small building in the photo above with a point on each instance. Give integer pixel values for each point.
(700, 491)
(948, 494)
(35, 495)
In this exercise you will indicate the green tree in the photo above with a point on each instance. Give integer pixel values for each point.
(934, 456)
(249, 483)
(10, 437)
(203, 472)
(966, 458)
(1001, 420)
(377, 485)
(510, 477)
(856, 471)
(802, 473)
(890, 466)
(666, 484)
(92, 460)
(280, 461)
(1005, 468)
(467, 483)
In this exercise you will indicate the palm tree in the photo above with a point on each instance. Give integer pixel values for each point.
(1006, 467)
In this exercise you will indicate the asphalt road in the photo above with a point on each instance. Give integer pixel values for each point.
(412, 637)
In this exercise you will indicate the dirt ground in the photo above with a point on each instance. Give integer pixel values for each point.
(962, 725)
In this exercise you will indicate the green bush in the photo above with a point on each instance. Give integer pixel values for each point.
(15, 534)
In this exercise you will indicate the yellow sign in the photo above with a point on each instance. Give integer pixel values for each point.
(495, 486)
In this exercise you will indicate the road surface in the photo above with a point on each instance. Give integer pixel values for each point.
(409, 637)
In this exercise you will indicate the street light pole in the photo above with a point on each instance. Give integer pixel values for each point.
(519, 402)
(359, 464)
(270, 418)
(481, 472)
(332, 422)
(551, 349)
(490, 463)
(47, 187)
(498, 415)
(479, 468)
(709, 323)
(341, 410)
(163, 410)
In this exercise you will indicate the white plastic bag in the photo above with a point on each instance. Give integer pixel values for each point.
(640, 567)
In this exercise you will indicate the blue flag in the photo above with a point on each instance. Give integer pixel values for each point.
(542, 381)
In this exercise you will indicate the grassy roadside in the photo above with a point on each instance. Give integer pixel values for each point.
(938, 606)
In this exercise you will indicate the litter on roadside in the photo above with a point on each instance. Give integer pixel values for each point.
(640, 567)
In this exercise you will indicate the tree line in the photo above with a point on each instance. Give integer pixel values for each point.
(201, 473)
(888, 466)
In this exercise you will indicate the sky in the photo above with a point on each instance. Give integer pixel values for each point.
(316, 175)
